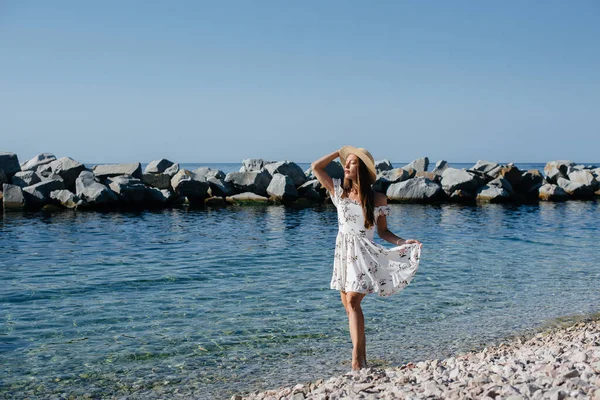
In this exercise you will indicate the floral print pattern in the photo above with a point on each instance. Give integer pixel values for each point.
(360, 264)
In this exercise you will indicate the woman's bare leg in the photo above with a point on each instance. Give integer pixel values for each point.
(356, 321)
(344, 302)
(363, 356)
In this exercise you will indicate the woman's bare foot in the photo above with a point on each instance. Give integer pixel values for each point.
(358, 364)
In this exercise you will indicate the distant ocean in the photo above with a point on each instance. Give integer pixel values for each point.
(232, 167)
(211, 302)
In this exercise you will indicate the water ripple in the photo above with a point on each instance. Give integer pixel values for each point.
(205, 299)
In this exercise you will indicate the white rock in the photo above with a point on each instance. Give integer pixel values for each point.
(35, 162)
(579, 357)
(454, 373)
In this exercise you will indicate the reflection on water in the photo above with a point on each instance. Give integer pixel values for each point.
(114, 303)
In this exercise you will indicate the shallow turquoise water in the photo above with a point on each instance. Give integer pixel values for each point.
(220, 301)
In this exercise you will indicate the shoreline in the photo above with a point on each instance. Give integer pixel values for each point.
(560, 359)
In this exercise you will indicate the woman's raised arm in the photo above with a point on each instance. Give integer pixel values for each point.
(318, 168)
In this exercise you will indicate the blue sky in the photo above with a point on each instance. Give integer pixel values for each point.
(219, 81)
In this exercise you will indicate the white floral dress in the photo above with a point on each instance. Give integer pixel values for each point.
(361, 265)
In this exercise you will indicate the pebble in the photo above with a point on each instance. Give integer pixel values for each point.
(557, 364)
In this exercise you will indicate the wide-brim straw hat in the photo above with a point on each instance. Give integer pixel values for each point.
(361, 153)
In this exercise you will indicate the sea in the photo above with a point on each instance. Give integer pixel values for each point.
(208, 303)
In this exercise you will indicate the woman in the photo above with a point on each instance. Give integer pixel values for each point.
(360, 265)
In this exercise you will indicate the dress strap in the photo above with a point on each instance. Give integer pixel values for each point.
(382, 210)
(337, 191)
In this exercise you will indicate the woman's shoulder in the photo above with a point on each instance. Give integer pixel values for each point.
(380, 199)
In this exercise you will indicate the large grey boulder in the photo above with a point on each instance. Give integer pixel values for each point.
(89, 189)
(411, 172)
(158, 166)
(440, 167)
(159, 181)
(157, 196)
(557, 169)
(13, 198)
(216, 181)
(215, 202)
(552, 174)
(247, 198)
(415, 190)
(39, 194)
(574, 189)
(461, 196)
(9, 163)
(551, 192)
(429, 175)
(585, 177)
(282, 188)
(386, 178)
(207, 172)
(35, 162)
(185, 184)
(127, 188)
(220, 188)
(110, 170)
(312, 190)
(44, 170)
(334, 169)
(253, 164)
(531, 181)
(502, 182)
(419, 165)
(25, 178)
(287, 168)
(562, 165)
(383, 165)
(172, 170)
(66, 198)
(487, 173)
(496, 191)
(481, 177)
(484, 166)
(68, 169)
(54, 177)
(511, 174)
(158, 173)
(459, 179)
(255, 182)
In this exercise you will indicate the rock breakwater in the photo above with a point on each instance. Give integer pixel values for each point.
(559, 363)
(52, 183)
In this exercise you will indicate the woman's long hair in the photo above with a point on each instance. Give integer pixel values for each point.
(367, 198)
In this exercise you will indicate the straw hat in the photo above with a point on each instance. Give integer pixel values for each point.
(361, 153)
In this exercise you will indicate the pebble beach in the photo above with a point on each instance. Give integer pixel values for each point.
(562, 362)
